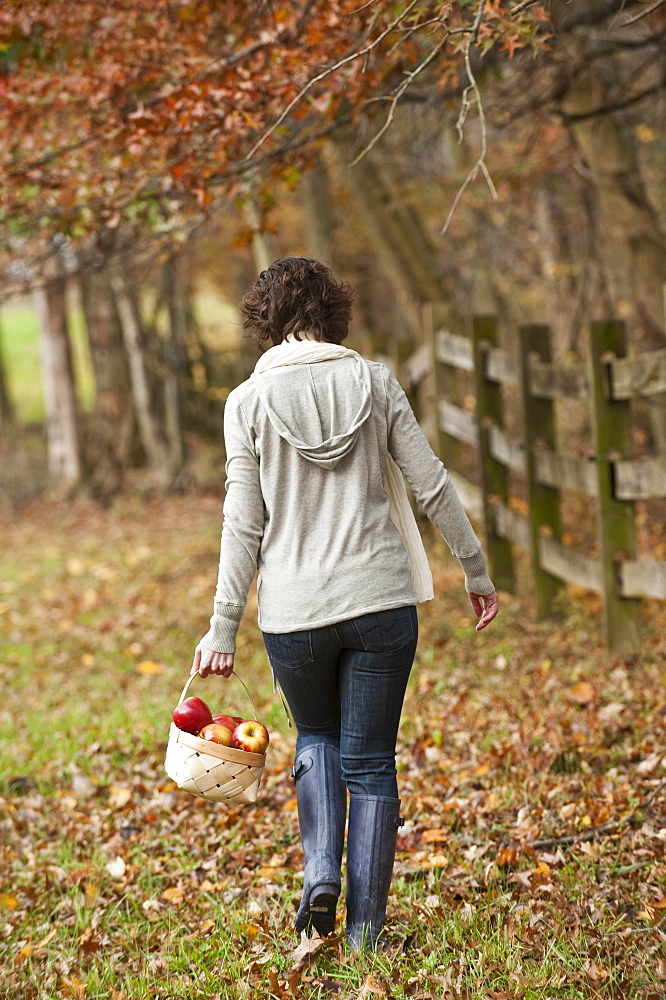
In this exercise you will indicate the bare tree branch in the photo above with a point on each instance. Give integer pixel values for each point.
(604, 828)
(641, 14)
(520, 7)
(357, 10)
(411, 29)
(365, 51)
(464, 110)
(406, 83)
(617, 14)
(606, 109)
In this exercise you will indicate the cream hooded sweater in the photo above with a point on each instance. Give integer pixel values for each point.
(306, 505)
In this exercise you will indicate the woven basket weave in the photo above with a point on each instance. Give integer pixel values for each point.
(209, 770)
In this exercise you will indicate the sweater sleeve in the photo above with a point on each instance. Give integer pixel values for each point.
(432, 487)
(242, 530)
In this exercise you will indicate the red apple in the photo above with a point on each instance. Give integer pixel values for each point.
(230, 721)
(216, 734)
(192, 715)
(251, 736)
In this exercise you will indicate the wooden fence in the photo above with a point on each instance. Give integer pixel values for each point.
(607, 382)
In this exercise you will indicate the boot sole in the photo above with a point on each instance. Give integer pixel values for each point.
(321, 912)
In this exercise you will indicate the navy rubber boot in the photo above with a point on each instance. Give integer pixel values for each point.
(371, 842)
(321, 795)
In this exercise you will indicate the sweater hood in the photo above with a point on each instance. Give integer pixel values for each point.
(318, 408)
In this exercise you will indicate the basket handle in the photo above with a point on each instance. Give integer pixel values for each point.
(233, 674)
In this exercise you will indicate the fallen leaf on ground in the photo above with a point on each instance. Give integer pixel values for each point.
(149, 668)
(23, 954)
(49, 937)
(91, 892)
(303, 954)
(374, 986)
(72, 988)
(89, 941)
(522, 877)
(119, 796)
(326, 984)
(116, 868)
(203, 930)
(173, 895)
(435, 836)
(582, 693)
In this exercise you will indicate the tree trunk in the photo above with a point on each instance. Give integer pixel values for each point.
(7, 416)
(112, 425)
(264, 245)
(633, 240)
(319, 222)
(407, 257)
(553, 255)
(149, 430)
(404, 247)
(176, 297)
(264, 252)
(62, 413)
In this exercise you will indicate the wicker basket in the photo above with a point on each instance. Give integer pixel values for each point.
(214, 772)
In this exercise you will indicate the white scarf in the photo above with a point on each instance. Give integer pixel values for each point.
(310, 351)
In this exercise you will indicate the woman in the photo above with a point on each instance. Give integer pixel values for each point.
(314, 502)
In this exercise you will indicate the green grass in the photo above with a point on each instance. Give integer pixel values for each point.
(19, 347)
(19, 334)
(19, 343)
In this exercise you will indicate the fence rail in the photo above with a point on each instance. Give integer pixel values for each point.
(607, 382)
(641, 376)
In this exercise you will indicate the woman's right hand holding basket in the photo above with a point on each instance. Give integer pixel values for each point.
(207, 661)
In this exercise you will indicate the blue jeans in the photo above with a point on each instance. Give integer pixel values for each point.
(345, 685)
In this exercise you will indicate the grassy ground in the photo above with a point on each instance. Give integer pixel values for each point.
(115, 885)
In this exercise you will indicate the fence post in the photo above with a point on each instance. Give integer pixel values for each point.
(442, 383)
(494, 475)
(617, 530)
(543, 501)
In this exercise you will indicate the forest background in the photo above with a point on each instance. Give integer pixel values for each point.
(503, 158)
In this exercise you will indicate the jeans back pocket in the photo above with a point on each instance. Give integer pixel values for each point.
(289, 649)
(386, 631)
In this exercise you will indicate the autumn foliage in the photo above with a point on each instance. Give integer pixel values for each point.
(155, 111)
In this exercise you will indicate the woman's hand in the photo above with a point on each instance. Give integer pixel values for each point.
(485, 608)
(208, 662)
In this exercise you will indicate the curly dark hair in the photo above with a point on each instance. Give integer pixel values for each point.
(296, 295)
